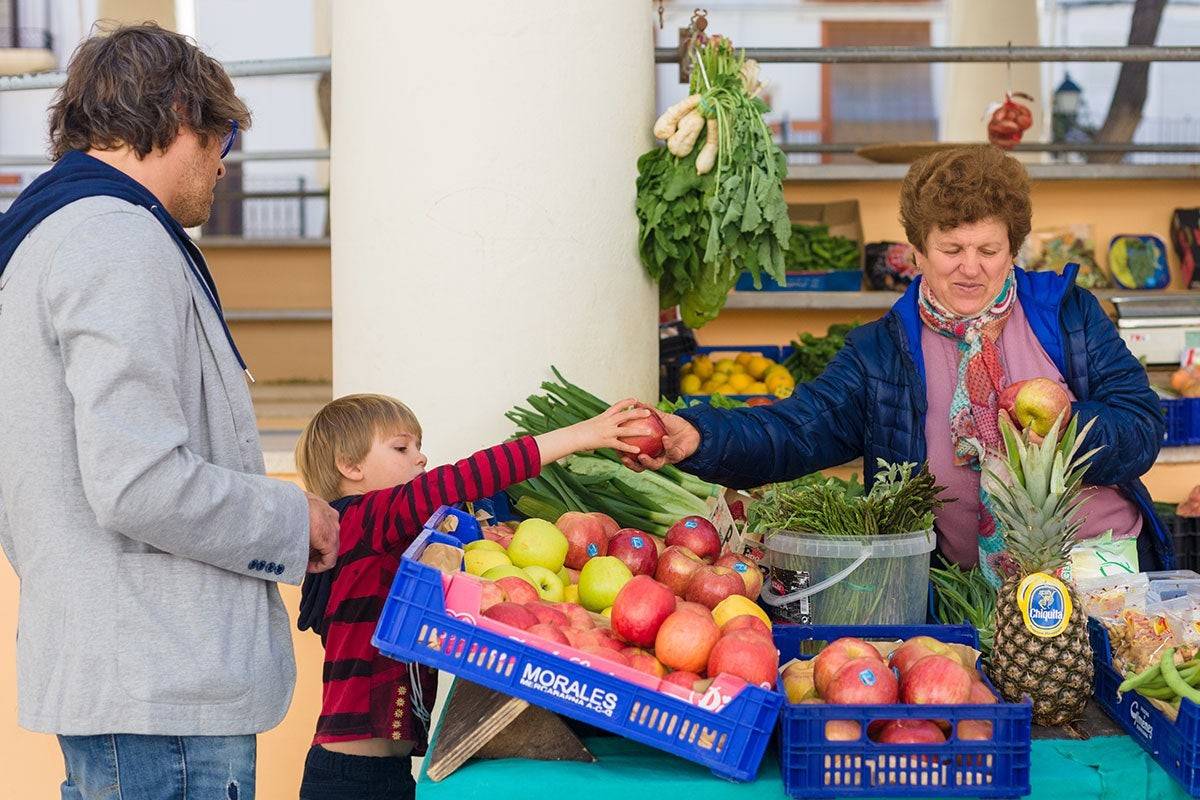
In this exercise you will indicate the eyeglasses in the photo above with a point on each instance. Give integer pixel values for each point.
(227, 142)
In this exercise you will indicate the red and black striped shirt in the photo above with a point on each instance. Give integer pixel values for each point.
(367, 695)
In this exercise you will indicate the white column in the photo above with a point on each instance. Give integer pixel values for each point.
(484, 159)
(969, 88)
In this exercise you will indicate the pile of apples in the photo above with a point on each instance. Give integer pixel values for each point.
(679, 610)
(921, 671)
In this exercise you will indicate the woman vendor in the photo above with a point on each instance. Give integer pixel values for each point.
(923, 382)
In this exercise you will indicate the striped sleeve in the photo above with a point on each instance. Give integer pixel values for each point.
(398, 514)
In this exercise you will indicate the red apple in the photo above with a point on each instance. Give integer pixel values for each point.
(548, 614)
(490, 595)
(981, 694)
(747, 655)
(549, 632)
(509, 613)
(640, 608)
(684, 641)
(748, 623)
(842, 730)
(651, 444)
(837, 653)
(911, 731)
(692, 608)
(606, 654)
(862, 680)
(607, 523)
(917, 648)
(696, 534)
(577, 616)
(644, 661)
(636, 549)
(797, 683)
(518, 590)
(751, 575)
(501, 534)
(599, 638)
(1035, 403)
(935, 680)
(974, 730)
(675, 568)
(710, 585)
(585, 538)
(683, 678)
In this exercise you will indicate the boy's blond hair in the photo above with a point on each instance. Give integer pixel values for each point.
(343, 432)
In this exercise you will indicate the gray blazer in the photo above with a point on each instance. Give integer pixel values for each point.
(133, 504)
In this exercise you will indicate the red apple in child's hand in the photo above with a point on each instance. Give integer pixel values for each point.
(862, 680)
(676, 566)
(746, 655)
(911, 731)
(696, 534)
(607, 523)
(837, 653)
(512, 614)
(710, 585)
(635, 549)
(640, 608)
(650, 444)
(936, 680)
(751, 575)
(549, 632)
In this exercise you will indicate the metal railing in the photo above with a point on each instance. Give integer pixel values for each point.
(254, 68)
(946, 55)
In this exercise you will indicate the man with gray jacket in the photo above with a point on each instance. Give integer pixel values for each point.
(133, 504)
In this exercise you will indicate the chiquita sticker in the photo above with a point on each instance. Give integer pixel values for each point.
(1045, 605)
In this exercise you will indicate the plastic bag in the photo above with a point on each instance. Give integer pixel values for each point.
(1102, 557)
(890, 265)
(1054, 248)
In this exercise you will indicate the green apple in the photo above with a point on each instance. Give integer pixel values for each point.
(505, 571)
(537, 543)
(480, 560)
(548, 585)
(483, 544)
(600, 580)
(564, 575)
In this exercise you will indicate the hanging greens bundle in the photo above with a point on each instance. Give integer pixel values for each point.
(707, 214)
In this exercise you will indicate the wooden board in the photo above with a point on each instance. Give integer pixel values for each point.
(481, 723)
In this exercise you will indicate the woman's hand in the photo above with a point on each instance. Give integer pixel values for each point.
(681, 441)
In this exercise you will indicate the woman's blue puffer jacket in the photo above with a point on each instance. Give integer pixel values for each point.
(870, 402)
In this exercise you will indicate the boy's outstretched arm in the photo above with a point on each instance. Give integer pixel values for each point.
(395, 516)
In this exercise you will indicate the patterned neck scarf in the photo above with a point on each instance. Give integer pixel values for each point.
(975, 408)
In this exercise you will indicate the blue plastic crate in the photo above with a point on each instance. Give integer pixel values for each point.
(1182, 416)
(1174, 745)
(776, 353)
(416, 626)
(813, 766)
(834, 280)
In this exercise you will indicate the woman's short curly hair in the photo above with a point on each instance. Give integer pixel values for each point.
(136, 85)
(963, 185)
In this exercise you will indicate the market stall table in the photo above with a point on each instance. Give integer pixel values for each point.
(1109, 765)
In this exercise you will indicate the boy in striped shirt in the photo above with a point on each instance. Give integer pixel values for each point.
(363, 454)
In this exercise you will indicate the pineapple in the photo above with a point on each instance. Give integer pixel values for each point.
(1037, 505)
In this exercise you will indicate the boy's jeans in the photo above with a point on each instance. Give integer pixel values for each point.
(129, 767)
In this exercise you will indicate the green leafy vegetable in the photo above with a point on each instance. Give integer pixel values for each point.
(811, 354)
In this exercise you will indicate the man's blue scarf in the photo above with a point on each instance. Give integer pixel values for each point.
(76, 176)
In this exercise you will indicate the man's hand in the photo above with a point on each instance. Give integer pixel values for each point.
(322, 534)
(681, 441)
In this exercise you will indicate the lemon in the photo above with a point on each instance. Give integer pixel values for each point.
(719, 378)
(689, 384)
(737, 605)
(702, 367)
(687, 369)
(725, 365)
(758, 367)
(778, 381)
(744, 358)
(708, 387)
(776, 369)
(758, 387)
(738, 382)
(783, 391)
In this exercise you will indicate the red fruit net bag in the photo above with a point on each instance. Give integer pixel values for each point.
(1009, 120)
